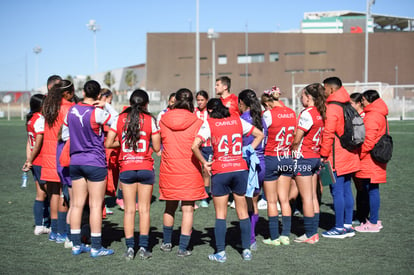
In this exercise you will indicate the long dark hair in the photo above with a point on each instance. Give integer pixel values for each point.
(371, 95)
(317, 92)
(184, 100)
(53, 100)
(36, 102)
(138, 103)
(216, 109)
(250, 99)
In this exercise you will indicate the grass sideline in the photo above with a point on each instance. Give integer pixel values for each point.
(387, 252)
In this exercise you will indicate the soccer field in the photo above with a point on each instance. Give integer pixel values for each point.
(387, 252)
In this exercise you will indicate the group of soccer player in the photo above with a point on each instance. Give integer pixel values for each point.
(230, 147)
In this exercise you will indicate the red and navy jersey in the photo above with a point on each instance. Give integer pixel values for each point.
(140, 159)
(311, 122)
(203, 115)
(281, 125)
(34, 127)
(231, 102)
(226, 139)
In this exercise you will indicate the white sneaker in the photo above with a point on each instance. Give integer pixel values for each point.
(68, 244)
(233, 204)
(278, 207)
(262, 204)
(40, 229)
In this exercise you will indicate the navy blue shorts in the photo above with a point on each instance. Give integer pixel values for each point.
(232, 182)
(90, 173)
(36, 170)
(134, 176)
(207, 152)
(277, 166)
(306, 167)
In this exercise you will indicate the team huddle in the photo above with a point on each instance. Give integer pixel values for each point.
(231, 148)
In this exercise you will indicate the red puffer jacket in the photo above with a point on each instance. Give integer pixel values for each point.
(375, 125)
(345, 162)
(180, 170)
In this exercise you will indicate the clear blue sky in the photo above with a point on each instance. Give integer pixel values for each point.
(59, 28)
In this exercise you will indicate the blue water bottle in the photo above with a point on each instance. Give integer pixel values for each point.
(24, 179)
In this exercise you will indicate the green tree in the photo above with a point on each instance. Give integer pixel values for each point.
(109, 79)
(130, 78)
(69, 77)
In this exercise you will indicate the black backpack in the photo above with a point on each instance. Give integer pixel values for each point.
(354, 129)
(382, 151)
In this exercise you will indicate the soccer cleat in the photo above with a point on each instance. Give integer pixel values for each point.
(129, 254)
(368, 227)
(204, 204)
(144, 254)
(52, 236)
(101, 252)
(76, 250)
(166, 247)
(184, 253)
(108, 211)
(61, 238)
(262, 204)
(275, 242)
(233, 204)
(247, 255)
(311, 240)
(218, 257)
(349, 232)
(40, 229)
(335, 233)
(253, 246)
(120, 203)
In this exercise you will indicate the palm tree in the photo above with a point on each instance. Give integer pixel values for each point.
(130, 78)
(109, 79)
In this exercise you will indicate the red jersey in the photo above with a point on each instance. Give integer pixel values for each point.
(226, 138)
(140, 159)
(311, 122)
(231, 102)
(281, 125)
(34, 127)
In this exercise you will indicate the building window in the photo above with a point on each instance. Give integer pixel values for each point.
(222, 59)
(251, 58)
(203, 58)
(185, 57)
(244, 75)
(273, 57)
(225, 73)
(295, 53)
(317, 52)
(321, 70)
(294, 71)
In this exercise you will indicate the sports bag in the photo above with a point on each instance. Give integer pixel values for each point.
(354, 128)
(382, 151)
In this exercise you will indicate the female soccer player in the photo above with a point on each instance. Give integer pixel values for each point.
(55, 108)
(206, 149)
(229, 170)
(35, 124)
(372, 173)
(305, 149)
(83, 124)
(356, 102)
(137, 130)
(180, 171)
(249, 106)
(281, 124)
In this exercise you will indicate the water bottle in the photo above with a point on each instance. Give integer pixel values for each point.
(24, 179)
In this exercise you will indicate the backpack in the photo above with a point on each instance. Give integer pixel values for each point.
(354, 129)
(382, 151)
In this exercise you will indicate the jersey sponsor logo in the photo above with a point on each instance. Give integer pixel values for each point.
(77, 114)
(291, 115)
(226, 123)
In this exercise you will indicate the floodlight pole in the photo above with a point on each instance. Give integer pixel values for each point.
(213, 36)
(94, 28)
(197, 63)
(37, 50)
(367, 17)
